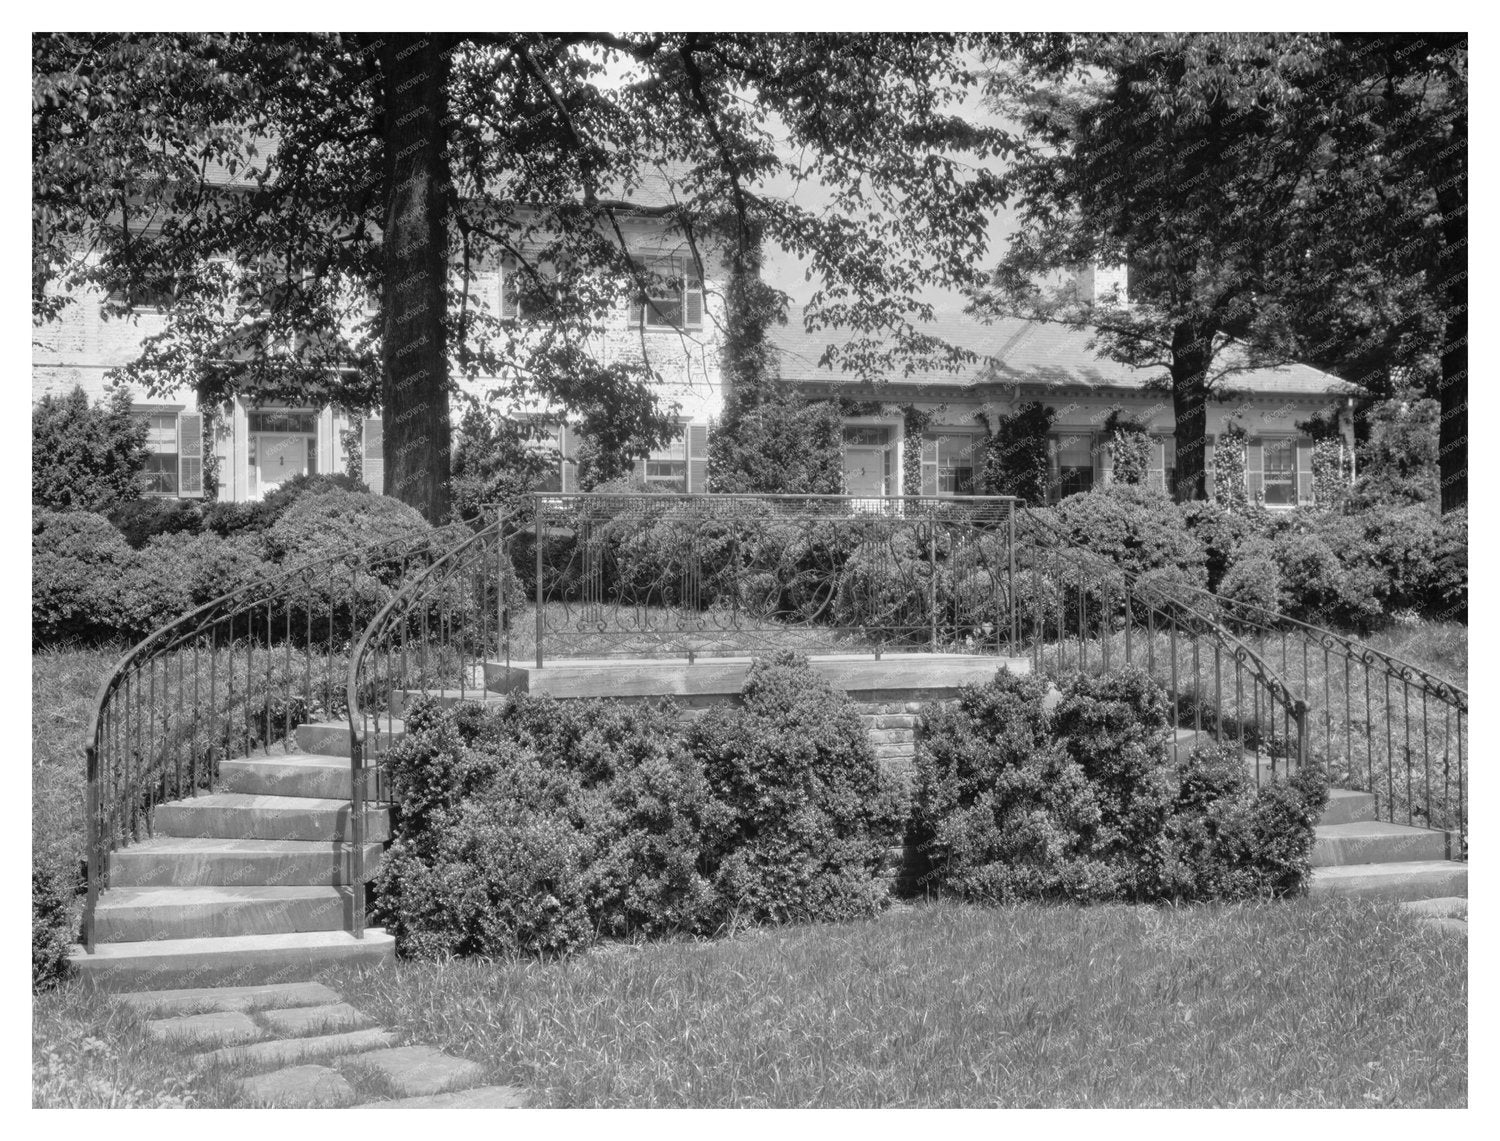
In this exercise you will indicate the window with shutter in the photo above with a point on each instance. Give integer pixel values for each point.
(373, 451)
(1156, 471)
(162, 471)
(190, 455)
(673, 296)
(1072, 455)
(1279, 472)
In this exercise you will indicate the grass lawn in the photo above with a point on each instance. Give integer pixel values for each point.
(1328, 1003)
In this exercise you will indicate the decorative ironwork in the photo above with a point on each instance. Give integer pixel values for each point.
(650, 575)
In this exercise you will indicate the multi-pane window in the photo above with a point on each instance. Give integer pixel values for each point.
(1162, 474)
(672, 296)
(1279, 458)
(949, 463)
(283, 421)
(1073, 464)
(162, 462)
(157, 294)
(668, 474)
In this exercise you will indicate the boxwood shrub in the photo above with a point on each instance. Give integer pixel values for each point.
(1013, 802)
(530, 826)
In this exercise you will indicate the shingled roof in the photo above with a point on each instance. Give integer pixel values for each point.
(1012, 351)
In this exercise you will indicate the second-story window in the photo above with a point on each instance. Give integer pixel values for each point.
(673, 296)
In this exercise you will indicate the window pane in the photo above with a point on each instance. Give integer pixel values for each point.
(1280, 472)
(867, 435)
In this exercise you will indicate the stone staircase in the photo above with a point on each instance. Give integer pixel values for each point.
(252, 882)
(1356, 855)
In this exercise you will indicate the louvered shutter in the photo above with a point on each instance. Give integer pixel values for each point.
(1304, 473)
(697, 457)
(373, 454)
(569, 464)
(1255, 471)
(1054, 470)
(640, 471)
(1208, 466)
(190, 455)
(1156, 472)
(692, 301)
(1104, 463)
(929, 466)
(510, 289)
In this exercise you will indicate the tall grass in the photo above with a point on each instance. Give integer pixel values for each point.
(1309, 1003)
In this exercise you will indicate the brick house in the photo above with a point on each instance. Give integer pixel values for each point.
(922, 431)
(259, 446)
(914, 432)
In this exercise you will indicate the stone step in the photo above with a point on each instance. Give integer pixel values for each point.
(288, 1051)
(401, 698)
(1376, 842)
(1426, 879)
(245, 816)
(333, 736)
(239, 960)
(131, 914)
(179, 861)
(415, 1071)
(1444, 907)
(299, 1021)
(219, 1028)
(319, 775)
(298, 1087)
(1345, 806)
(196, 1000)
(481, 1097)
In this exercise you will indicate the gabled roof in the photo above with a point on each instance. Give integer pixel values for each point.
(1013, 350)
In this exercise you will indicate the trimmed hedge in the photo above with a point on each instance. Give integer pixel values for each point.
(1083, 803)
(532, 826)
(79, 567)
(803, 813)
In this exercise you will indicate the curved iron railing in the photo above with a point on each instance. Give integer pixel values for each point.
(437, 632)
(1075, 609)
(237, 674)
(1380, 724)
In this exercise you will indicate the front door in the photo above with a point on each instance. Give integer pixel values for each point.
(278, 459)
(864, 471)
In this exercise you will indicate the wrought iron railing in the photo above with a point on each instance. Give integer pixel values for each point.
(1077, 610)
(611, 576)
(644, 575)
(436, 633)
(1379, 724)
(236, 675)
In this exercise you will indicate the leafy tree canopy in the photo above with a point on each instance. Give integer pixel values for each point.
(1276, 197)
(317, 206)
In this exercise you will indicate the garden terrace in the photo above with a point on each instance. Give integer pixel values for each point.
(293, 688)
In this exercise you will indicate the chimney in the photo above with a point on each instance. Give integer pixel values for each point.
(1103, 284)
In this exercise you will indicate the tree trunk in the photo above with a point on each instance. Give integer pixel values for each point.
(1192, 353)
(414, 351)
(1453, 388)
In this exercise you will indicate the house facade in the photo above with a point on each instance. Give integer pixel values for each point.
(926, 432)
(257, 447)
(920, 433)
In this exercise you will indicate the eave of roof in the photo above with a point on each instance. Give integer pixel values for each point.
(1013, 351)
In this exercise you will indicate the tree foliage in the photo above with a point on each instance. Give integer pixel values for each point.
(85, 458)
(280, 184)
(1276, 197)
